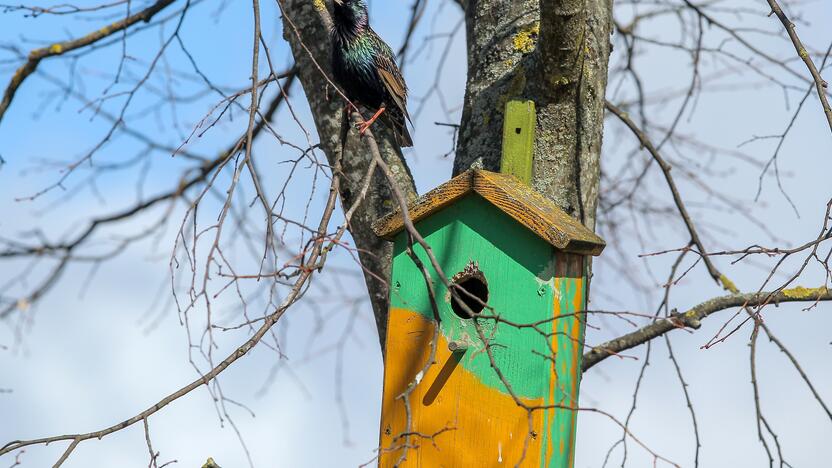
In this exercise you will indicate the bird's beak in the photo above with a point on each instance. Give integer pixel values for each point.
(339, 2)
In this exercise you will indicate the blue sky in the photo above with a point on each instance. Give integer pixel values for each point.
(87, 357)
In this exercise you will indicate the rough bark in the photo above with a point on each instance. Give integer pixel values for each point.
(327, 105)
(558, 60)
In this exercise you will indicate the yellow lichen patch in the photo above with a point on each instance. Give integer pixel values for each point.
(559, 80)
(526, 40)
(728, 284)
(319, 5)
(805, 293)
(56, 49)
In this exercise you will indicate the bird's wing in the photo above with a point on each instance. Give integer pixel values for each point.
(391, 76)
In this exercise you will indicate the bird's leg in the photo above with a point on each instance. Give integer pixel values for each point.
(364, 126)
(349, 109)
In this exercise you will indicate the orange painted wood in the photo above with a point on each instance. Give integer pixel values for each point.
(460, 412)
(466, 424)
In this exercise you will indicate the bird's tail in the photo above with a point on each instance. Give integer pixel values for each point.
(403, 137)
(397, 124)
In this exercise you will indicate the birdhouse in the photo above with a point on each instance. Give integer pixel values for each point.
(503, 383)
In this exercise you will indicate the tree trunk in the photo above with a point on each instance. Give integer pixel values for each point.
(375, 254)
(558, 60)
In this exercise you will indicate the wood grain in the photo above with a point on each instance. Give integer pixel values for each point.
(518, 140)
(472, 425)
(512, 197)
(461, 400)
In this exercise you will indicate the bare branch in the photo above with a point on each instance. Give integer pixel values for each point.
(693, 317)
(677, 197)
(820, 83)
(59, 48)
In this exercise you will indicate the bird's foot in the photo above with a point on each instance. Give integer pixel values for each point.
(362, 127)
(349, 108)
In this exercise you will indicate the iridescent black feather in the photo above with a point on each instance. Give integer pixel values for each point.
(364, 67)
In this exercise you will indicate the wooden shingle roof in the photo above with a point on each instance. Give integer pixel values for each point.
(511, 196)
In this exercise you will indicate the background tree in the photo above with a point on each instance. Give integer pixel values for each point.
(255, 203)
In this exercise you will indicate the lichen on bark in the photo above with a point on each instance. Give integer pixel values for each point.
(565, 75)
(375, 254)
(557, 59)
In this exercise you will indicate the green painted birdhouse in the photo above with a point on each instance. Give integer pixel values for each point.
(502, 383)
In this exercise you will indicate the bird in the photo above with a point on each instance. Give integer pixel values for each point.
(364, 67)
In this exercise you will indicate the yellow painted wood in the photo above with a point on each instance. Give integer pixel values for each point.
(460, 403)
(464, 425)
(460, 412)
(514, 198)
(567, 340)
(518, 140)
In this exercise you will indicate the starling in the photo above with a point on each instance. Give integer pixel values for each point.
(364, 67)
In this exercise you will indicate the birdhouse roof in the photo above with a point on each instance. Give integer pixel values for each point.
(511, 196)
